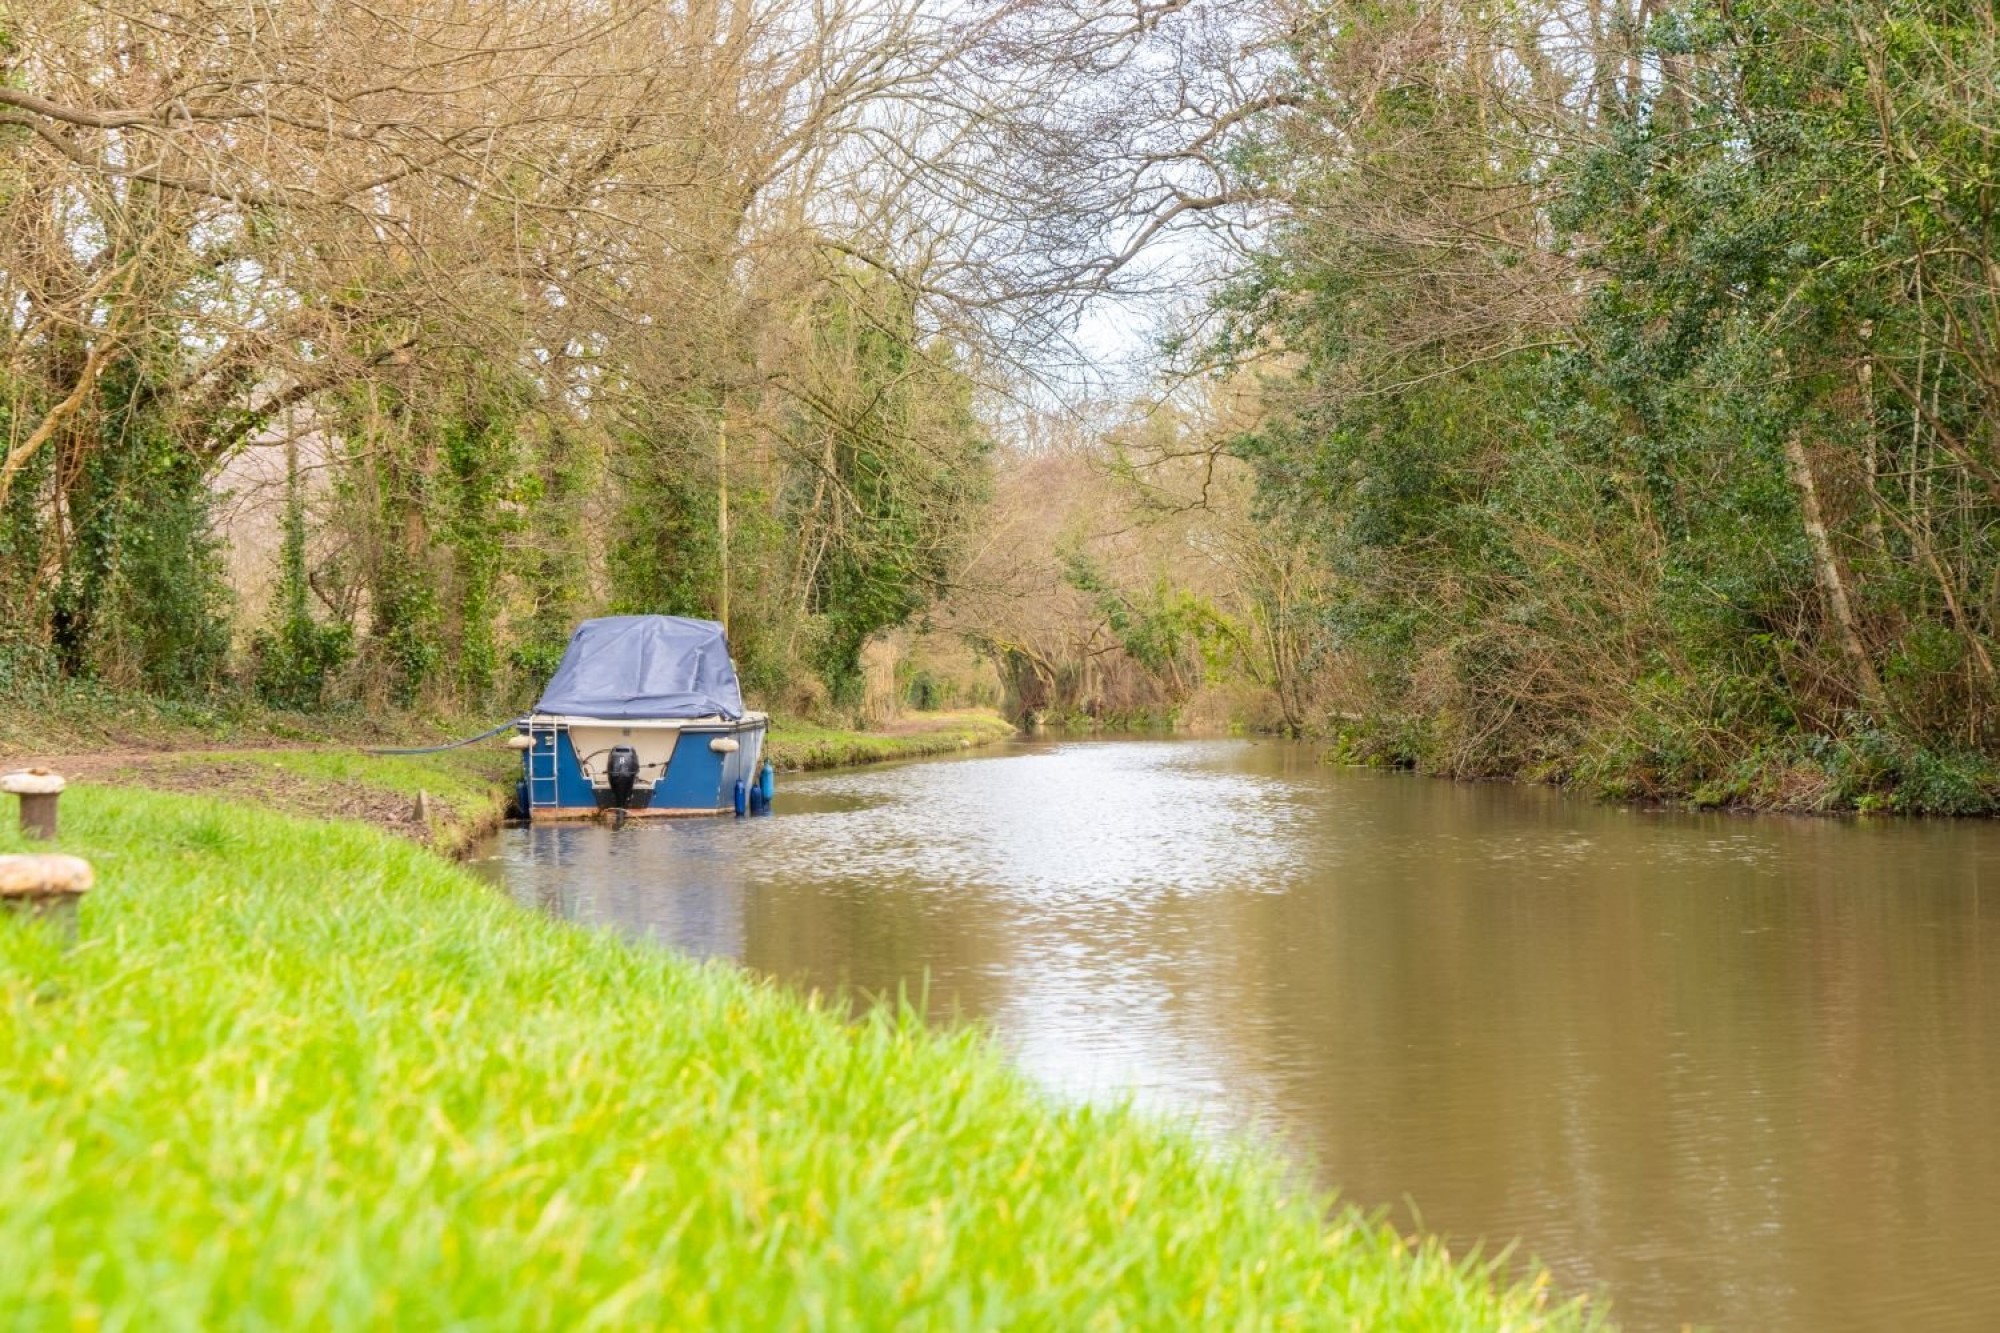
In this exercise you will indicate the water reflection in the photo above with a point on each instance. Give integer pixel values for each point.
(1739, 1072)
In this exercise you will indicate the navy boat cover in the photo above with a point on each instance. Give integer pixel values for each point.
(645, 666)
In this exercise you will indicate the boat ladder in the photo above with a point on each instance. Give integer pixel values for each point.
(545, 760)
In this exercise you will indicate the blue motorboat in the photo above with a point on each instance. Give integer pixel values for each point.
(644, 715)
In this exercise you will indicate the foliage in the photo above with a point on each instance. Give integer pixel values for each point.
(666, 557)
(506, 319)
(901, 466)
(25, 660)
(296, 658)
(142, 600)
(1177, 636)
(1740, 494)
(559, 479)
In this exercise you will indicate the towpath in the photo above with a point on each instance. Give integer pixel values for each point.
(445, 801)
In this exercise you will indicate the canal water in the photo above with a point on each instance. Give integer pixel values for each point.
(1732, 1072)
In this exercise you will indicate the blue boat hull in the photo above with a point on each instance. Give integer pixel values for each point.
(687, 767)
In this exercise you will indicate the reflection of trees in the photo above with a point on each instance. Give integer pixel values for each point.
(1725, 1089)
(870, 940)
(1737, 1071)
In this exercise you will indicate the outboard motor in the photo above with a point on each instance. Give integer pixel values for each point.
(621, 770)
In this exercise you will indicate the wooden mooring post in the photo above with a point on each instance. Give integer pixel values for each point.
(39, 791)
(45, 884)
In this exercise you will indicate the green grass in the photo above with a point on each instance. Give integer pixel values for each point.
(298, 1074)
(468, 788)
(457, 775)
(795, 744)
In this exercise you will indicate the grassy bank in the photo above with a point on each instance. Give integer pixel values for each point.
(313, 764)
(309, 764)
(796, 744)
(465, 792)
(304, 1074)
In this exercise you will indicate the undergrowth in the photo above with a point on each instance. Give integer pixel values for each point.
(45, 717)
(1868, 770)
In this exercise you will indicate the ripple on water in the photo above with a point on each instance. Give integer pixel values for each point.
(1740, 1072)
(1101, 822)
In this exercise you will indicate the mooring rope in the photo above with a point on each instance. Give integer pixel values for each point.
(434, 749)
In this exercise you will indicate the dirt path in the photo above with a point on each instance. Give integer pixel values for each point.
(110, 764)
(443, 801)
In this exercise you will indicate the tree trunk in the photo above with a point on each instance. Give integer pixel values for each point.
(1831, 581)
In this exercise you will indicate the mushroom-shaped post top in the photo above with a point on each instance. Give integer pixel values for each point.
(39, 791)
(39, 877)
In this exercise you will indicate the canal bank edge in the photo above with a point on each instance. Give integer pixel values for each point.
(411, 1101)
(444, 802)
(449, 801)
(795, 745)
(1875, 773)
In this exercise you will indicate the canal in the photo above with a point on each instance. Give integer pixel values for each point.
(1731, 1072)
